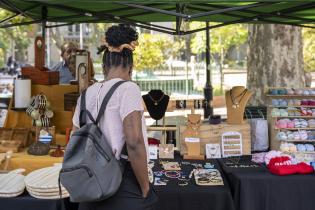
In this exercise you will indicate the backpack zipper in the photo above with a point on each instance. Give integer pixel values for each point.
(98, 146)
(87, 169)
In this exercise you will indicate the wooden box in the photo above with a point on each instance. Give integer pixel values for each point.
(70, 101)
(211, 134)
(13, 139)
(41, 77)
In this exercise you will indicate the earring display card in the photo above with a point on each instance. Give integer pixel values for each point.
(166, 151)
(232, 144)
(153, 151)
(213, 151)
(171, 166)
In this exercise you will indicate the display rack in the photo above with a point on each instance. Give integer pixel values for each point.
(272, 120)
(173, 106)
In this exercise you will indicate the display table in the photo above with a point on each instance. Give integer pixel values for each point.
(27, 202)
(190, 197)
(31, 162)
(256, 188)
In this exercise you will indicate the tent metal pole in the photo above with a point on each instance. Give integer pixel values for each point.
(208, 90)
(44, 21)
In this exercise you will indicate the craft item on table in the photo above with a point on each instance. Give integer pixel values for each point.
(57, 153)
(283, 166)
(153, 141)
(309, 147)
(232, 144)
(287, 147)
(275, 102)
(171, 166)
(150, 175)
(290, 91)
(213, 151)
(159, 182)
(298, 92)
(45, 137)
(153, 152)
(22, 92)
(306, 92)
(156, 102)
(208, 166)
(208, 177)
(3, 116)
(272, 154)
(215, 119)
(166, 151)
(181, 104)
(38, 148)
(275, 112)
(43, 183)
(196, 165)
(172, 174)
(12, 183)
(259, 157)
(182, 182)
(236, 100)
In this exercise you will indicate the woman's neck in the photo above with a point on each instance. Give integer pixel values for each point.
(118, 73)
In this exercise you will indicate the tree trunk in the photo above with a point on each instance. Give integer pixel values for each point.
(275, 59)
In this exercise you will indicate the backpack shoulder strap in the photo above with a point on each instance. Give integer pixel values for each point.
(84, 111)
(106, 100)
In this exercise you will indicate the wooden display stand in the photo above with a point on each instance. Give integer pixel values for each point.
(39, 74)
(61, 119)
(211, 134)
(236, 109)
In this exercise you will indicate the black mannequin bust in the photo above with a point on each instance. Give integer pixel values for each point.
(156, 102)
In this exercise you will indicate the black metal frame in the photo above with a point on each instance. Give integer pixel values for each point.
(249, 16)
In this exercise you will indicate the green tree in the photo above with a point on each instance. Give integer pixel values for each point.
(309, 49)
(154, 50)
(221, 41)
(20, 35)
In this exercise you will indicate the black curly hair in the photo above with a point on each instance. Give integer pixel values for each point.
(116, 36)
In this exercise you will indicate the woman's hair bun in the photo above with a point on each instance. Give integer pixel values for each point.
(120, 34)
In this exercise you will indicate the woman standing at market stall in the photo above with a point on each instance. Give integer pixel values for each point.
(123, 121)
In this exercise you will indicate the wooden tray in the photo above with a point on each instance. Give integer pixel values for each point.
(13, 139)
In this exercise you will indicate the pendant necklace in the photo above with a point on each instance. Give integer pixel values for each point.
(235, 101)
(156, 102)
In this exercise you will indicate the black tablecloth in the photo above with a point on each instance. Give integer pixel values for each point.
(27, 202)
(258, 189)
(192, 196)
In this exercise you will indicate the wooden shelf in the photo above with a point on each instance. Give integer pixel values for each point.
(301, 106)
(291, 96)
(161, 128)
(306, 117)
(298, 140)
(294, 129)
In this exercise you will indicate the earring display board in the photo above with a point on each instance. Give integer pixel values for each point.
(166, 151)
(232, 144)
(236, 100)
(213, 151)
(212, 134)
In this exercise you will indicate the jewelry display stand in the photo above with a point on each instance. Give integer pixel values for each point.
(192, 138)
(236, 100)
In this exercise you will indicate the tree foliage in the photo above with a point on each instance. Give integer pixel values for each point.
(20, 35)
(154, 50)
(309, 49)
(221, 39)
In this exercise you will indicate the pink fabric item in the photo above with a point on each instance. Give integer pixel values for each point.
(290, 124)
(126, 99)
(281, 124)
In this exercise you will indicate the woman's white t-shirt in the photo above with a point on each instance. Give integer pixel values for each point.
(126, 99)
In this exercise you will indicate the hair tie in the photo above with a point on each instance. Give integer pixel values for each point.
(131, 46)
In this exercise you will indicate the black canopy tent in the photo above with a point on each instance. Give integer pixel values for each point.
(142, 14)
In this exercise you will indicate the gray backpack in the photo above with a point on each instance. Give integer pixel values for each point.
(90, 171)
